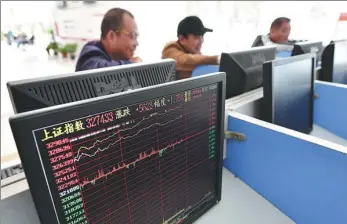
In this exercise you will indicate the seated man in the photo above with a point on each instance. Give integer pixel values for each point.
(187, 49)
(117, 44)
(279, 33)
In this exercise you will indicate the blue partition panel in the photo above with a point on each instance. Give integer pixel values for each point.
(205, 69)
(306, 181)
(330, 109)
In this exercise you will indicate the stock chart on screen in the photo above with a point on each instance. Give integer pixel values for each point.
(150, 162)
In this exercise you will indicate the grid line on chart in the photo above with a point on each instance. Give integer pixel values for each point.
(191, 136)
(127, 148)
(120, 180)
(101, 177)
(156, 189)
(129, 128)
(146, 154)
(197, 115)
(125, 179)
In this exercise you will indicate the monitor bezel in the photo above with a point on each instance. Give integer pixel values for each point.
(77, 75)
(228, 60)
(268, 68)
(12, 86)
(298, 50)
(23, 124)
(327, 67)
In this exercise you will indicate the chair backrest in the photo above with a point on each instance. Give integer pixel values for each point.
(258, 42)
(31, 40)
(283, 54)
(205, 69)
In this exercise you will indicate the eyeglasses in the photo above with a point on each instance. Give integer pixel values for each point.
(133, 35)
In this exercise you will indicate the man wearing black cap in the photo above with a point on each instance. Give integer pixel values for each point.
(187, 49)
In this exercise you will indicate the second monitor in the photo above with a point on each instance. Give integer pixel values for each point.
(334, 62)
(315, 47)
(288, 92)
(244, 69)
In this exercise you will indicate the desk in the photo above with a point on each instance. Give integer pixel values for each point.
(239, 205)
(242, 205)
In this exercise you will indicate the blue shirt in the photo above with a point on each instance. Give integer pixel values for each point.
(93, 55)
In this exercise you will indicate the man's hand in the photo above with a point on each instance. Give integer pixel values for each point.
(218, 59)
(136, 60)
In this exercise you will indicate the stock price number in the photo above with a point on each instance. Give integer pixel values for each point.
(99, 119)
(142, 107)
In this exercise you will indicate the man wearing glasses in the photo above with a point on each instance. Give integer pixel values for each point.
(117, 44)
(187, 49)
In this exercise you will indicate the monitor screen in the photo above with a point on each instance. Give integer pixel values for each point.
(334, 62)
(288, 92)
(152, 155)
(32, 94)
(244, 69)
(315, 47)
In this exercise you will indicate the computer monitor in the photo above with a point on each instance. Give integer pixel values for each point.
(315, 47)
(340, 40)
(288, 92)
(334, 62)
(32, 94)
(244, 69)
(152, 155)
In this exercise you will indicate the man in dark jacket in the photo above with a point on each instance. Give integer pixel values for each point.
(117, 44)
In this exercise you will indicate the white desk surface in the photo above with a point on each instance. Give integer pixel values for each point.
(239, 205)
(322, 133)
(242, 205)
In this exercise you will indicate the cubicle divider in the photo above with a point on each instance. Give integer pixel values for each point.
(303, 176)
(330, 108)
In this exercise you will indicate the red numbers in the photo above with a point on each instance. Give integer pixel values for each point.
(196, 91)
(179, 97)
(59, 150)
(64, 171)
(67, 184)
(145, 107)
(61, 157)
(91, 122)
(65, 178)
(99, 119)
(64, 164)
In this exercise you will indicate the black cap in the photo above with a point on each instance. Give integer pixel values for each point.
(192, 25)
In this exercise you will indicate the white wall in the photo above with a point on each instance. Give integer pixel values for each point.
(235, 23)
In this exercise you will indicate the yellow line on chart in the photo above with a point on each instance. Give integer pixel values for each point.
(124, 129)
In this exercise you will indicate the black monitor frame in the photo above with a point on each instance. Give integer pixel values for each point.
(268, 67)
(237, 79)
(23, 124)
(326, 72)
(307, 47)
(32, 94)
(328, 61)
